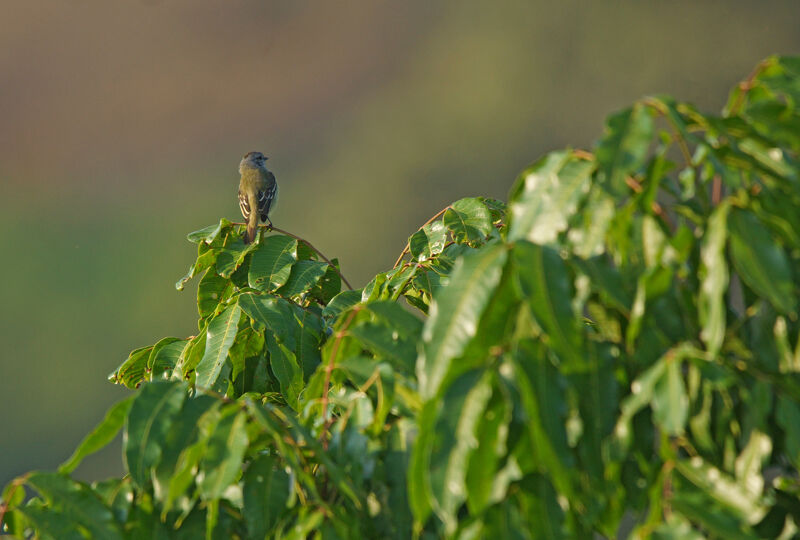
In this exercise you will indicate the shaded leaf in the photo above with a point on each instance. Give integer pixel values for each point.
(623, 149)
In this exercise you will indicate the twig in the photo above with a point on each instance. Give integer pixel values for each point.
(309, 244)
(634, 184)
(4, 506)
(329, 370)
(746, 85)
(676, 134)
(716, 190)
(408, 245)
(306, 242)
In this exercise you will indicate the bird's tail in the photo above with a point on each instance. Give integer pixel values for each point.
(252, 222)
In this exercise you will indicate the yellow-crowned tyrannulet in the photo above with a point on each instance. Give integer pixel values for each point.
(258, 192)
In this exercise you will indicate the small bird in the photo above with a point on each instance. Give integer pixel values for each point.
(258, 191)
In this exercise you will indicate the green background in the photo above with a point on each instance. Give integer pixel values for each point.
(123, 125)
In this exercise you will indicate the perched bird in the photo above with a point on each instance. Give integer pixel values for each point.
(258, 191)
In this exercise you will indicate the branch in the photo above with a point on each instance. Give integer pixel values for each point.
(408, 245)
(746, 85)
(4, 505)
(306, 242)
(676, 134)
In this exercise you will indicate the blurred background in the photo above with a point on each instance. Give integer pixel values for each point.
(122, 125)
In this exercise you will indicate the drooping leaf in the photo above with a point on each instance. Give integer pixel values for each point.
(222, 462)
(549, 193)
(132, 371)
(148, 424)
(455, 313)
(714, 281)
(760, 260)
(220, 336)
(266, 493)
(100, 436)
(623, 149)
(544, 280)
(670, 402)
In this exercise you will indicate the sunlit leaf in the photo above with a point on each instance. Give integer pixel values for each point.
(455, 313)
(271, 264)
(220, 336)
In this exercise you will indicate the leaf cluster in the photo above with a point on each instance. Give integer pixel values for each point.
(618, 344)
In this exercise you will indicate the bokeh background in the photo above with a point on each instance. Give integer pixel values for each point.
(122, 125)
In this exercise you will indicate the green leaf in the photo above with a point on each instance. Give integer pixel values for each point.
(331, 283)
(176, 469)
(469, 220)
(549, 193)
(78, 502)
(760, 261)
(222, 462)
(544, 280)
(623, 149)
(455, 313)
(386, 342)
(491, 434)
(48, 523)
(271, 264)
(341, 303)
(642, 390)
(589, 236)
(100, 436)
(460, 412)
(284, 365)
(164, 356)
(212, 290)
(713, 280)
(149, 423)
(269, 311)
(719, 486)
(208, 234)
(220, 336)
(787, 415)
(232, 254)
(397, 318)
(304, 276)
(266, 492)
(132, 371)
(670, 402)
(428, 241)
(308, 340)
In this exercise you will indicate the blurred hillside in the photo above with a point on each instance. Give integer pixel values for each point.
(122, 128)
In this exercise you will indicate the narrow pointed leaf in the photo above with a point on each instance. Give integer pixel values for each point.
(100, 436)
(455, 314)
(220, 336)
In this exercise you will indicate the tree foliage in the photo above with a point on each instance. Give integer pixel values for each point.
(619, 344)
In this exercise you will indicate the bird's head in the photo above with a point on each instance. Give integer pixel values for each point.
(252, 160)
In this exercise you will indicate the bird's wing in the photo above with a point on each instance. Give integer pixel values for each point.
(266, 197)
(244, 205)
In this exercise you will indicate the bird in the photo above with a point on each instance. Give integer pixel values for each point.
(258, 192)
